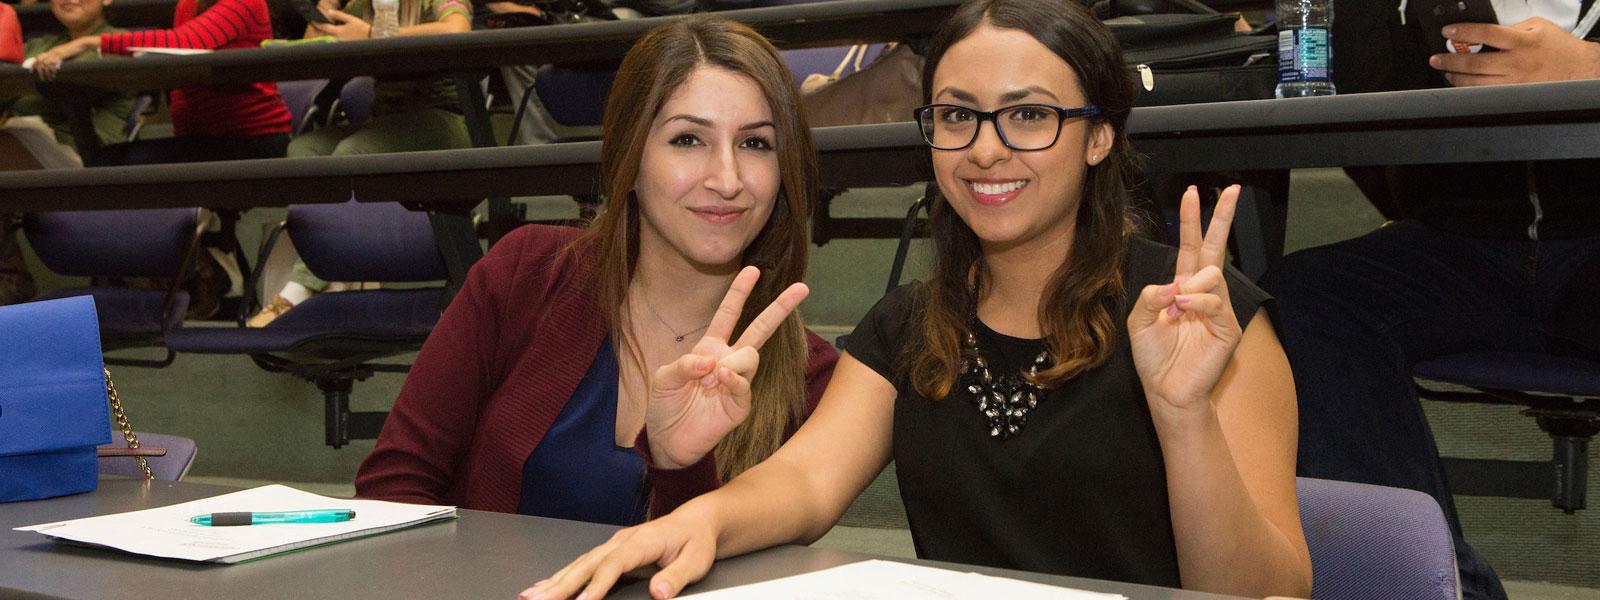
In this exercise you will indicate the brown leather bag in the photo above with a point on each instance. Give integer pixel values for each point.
(885, 91)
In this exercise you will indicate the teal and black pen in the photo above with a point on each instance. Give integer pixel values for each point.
(223, 519)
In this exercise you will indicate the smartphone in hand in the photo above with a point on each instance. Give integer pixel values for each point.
(1434, 15)
(309, 11)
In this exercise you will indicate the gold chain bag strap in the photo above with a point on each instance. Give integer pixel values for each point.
(122, 423)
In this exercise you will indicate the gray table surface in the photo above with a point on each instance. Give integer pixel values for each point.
(480, 555)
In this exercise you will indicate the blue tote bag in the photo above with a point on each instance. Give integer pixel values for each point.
(53, 405)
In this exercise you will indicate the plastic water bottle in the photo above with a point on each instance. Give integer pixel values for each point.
(1305, 49)
(385, 18)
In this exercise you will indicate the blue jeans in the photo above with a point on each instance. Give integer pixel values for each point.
(1358, 314)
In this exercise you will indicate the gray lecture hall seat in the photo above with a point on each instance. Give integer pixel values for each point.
(1560, 393)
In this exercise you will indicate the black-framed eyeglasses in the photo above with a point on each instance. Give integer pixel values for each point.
(1024, 127)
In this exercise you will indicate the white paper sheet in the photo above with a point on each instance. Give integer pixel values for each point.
(167, 533)
(885, 580)
(143, 50)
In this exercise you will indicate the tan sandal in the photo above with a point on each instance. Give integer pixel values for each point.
(274, 308)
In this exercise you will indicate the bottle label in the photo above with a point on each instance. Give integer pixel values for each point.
(1303, 55)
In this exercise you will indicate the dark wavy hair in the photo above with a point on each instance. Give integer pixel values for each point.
(1076, 313)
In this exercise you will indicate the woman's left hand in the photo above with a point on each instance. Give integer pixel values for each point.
(1182, 334)
(696, 400)
(345, 26)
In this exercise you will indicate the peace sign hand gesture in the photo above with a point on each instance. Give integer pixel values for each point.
(699, 398)
(1182, 334)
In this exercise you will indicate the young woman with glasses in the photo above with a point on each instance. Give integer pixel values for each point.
(1062, 396)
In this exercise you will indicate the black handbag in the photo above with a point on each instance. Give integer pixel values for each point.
(553, 12)
(1193, 58)
(1184, 52)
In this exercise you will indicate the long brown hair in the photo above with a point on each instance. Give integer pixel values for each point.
(660, 62)
(1076, 313)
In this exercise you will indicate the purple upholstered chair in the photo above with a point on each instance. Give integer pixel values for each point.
(1559, 393)
(300, 97)
(170, 467)
(1370, 541)
(575, 96)
(355, 101)
(332, 339)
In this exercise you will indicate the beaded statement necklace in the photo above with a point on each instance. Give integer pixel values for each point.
(1004, 400)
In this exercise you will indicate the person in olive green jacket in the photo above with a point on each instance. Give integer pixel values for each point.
(81, 18)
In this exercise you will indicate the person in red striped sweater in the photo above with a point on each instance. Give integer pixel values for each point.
(211, 122)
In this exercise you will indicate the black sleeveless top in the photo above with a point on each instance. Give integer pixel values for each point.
(1080, 490)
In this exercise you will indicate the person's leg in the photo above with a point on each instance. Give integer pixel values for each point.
(1358, 314)
(430, 129)
(302, 283)
(1568, 280)
(320, 142)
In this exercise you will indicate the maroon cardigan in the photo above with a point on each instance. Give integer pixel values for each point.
(498, 368)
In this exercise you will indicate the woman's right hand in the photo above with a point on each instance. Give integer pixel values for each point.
(683, 545)
(699, 398)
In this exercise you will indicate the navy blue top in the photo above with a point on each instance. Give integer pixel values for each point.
(578, 471)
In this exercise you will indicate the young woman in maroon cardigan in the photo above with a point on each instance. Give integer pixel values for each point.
(210, 122)
(536, 390)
